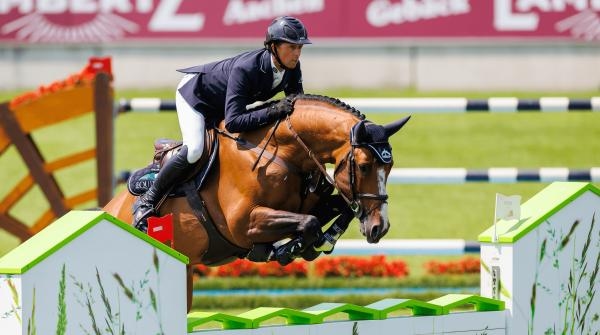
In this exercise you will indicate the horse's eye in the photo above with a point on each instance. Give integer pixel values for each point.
(364, 168)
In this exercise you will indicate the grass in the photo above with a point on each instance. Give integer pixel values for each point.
(475, 140)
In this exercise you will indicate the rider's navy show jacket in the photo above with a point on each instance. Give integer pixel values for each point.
(222, 89)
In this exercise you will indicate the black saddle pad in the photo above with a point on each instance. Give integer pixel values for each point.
(141, 180)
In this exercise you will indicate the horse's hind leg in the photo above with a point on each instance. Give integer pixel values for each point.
(268, 225)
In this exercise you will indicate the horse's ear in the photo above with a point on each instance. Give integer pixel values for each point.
(392, 128)
(360, 131)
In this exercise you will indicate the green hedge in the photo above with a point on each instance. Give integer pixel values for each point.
(218, 303)
(218, 283)
(210, 302)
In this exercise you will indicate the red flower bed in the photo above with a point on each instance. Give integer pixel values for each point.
(374, 266)
(273, 269)
(237, 268)
(245, 268)
(462, 266)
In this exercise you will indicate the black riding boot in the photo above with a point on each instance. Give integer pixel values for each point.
(176, 171)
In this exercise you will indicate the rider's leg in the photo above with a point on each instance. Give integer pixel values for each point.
(180, 167)
(177, 170)
(191, 124)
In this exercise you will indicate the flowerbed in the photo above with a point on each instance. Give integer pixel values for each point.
(374, 266)
(342, 266)
(461, 266)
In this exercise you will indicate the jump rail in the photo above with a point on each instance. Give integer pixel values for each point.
(490, 175)
(504, 175)
(538, 275)
(418, 105)
(397, 247)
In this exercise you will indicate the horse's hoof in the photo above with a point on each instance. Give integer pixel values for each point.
(286, 253)
(310, 254)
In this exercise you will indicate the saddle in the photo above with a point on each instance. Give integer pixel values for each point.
(141, 180)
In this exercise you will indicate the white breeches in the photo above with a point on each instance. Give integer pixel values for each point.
(191, 123)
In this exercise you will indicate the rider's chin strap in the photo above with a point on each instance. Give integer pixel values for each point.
(273, 50)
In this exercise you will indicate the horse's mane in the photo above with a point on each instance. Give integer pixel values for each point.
(321, 98)
(332, 101)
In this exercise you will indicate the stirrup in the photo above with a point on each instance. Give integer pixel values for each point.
(141, 215)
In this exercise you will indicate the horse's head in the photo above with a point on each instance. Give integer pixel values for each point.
(362, 175)
(338, 133)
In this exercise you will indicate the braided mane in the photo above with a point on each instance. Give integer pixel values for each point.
(315, 97)
(332, 101)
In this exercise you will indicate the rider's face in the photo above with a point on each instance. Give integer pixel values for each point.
(289, 54)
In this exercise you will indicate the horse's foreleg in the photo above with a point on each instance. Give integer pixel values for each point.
(268, 225)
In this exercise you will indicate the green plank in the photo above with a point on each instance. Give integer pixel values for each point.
(354, 312)
(451, 301)
(420, 308)
(292, 316)
(227, 321)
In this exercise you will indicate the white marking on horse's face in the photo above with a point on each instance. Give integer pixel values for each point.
(384, 206)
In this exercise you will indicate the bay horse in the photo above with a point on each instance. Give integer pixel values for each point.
(257, 198)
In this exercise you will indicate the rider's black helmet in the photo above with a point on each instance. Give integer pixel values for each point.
(287, 29)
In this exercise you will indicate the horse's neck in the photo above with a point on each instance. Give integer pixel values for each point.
(325, 131)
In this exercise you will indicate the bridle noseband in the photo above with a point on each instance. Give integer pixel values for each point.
(354, 200)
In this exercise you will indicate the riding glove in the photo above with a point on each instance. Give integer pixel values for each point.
(281, 109)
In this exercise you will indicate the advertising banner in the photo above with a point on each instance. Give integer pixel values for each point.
(99, 21)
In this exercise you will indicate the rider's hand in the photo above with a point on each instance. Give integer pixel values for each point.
(281, 109)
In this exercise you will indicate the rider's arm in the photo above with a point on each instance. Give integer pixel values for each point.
(237, 118)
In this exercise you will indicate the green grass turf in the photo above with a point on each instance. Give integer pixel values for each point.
(477, 140)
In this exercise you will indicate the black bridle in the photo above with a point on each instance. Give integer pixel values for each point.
(354, 200)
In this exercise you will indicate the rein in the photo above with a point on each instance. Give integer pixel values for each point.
(251, 146)
(266, 143)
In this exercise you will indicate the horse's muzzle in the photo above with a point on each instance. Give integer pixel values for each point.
(374, 228)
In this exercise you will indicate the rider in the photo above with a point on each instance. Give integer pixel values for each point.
(209, 93)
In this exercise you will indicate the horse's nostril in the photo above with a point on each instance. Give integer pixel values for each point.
(375, 232)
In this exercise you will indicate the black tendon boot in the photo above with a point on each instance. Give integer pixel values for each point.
(176, 171)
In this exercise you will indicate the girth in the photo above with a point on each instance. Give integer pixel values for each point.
(220, 250)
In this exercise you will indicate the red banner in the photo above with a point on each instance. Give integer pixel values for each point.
(93, 21)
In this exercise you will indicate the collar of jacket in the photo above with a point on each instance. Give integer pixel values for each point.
(265, 62)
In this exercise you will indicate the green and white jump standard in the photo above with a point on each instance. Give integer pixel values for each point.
(545, 265)
(89, 273)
